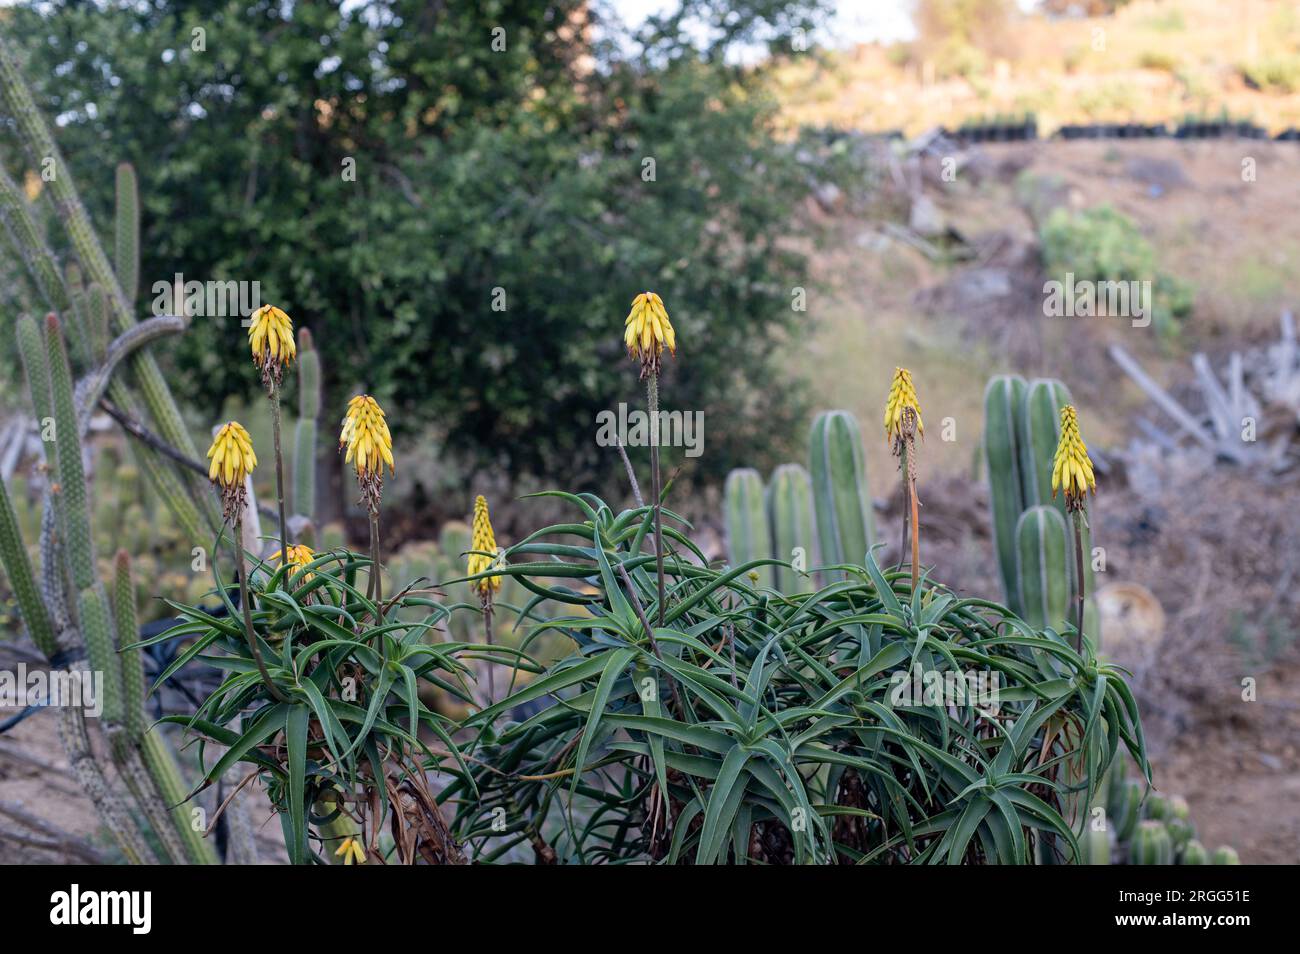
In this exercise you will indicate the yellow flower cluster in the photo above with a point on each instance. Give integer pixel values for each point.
(270, 336)
(482, 538)
(365, 433)
(1071, 467)
(231, 455)
(351, 852)
(300, 555)
(902, 395)
(647, 331)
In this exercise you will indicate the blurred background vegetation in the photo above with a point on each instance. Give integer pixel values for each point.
(506, 174)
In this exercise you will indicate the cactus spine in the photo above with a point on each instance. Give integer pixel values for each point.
(841, 501)
(1151, 845)
(304, 438)
(748, 538)
(794, 528)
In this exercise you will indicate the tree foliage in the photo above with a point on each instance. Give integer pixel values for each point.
(491, 168)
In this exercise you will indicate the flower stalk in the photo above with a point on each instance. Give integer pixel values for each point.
(903, 425)
(647, 331)
(485, 556)
(270, 338)
(369, 446)
(1073, 475)
(232, 462)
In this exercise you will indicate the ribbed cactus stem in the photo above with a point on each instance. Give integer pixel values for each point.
(28, 242)
(126, 246)
(1042, 567)
(166, 775)
(40, 146)
(1002, 402)
(18, 569)
(748, 538)
(74, 512)
(304, 444)
(793, 525)
(1151, 845)
(841, 501)
(1038, 432)
(124, 618)
(31, 347)
(72, 496)
(97, 308)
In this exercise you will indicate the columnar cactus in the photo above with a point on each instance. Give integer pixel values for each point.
(1021, 431)
(748, 535)
(841, 500)
(1224, 855)
(1042, 555)
(1151, 845)
(793, 525)
(1194, 854)
(304, 442)
(65, 607)
(1002, 399)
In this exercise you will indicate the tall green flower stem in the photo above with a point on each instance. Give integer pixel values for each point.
(274, 392)
(656, 490)
(1078, 520)
(487, 633)
(245, 604)
(377, 587)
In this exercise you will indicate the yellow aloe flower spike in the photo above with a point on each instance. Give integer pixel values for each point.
(300, 555)
(270, 337)
(902, 394)
(366, 436)
(482, 538)
(351, 852)
(1071, 467)
(647, 331)
(231, 455)
(231, 460)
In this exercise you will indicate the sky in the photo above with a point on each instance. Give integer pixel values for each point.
(855, 21)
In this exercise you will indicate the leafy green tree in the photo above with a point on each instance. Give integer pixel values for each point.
(460, 200)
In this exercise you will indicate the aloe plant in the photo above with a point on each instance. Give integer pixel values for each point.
(685, 744)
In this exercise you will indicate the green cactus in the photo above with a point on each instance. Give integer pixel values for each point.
(1224, 855)
(1126, 818)
(1021, 430)
(1038, 429)
(1181, 832)
(1042, 555)
(748, 535)
(1156, 808)
(18, 568)
(1095, 846)
(126, 245)
(304, 439)
(1151, 845)
(1003, 398)
(1194, 854)
(793, 525)
(841, 500)
(1178, 808)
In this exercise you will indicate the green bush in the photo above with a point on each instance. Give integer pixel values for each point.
(1102, 244)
